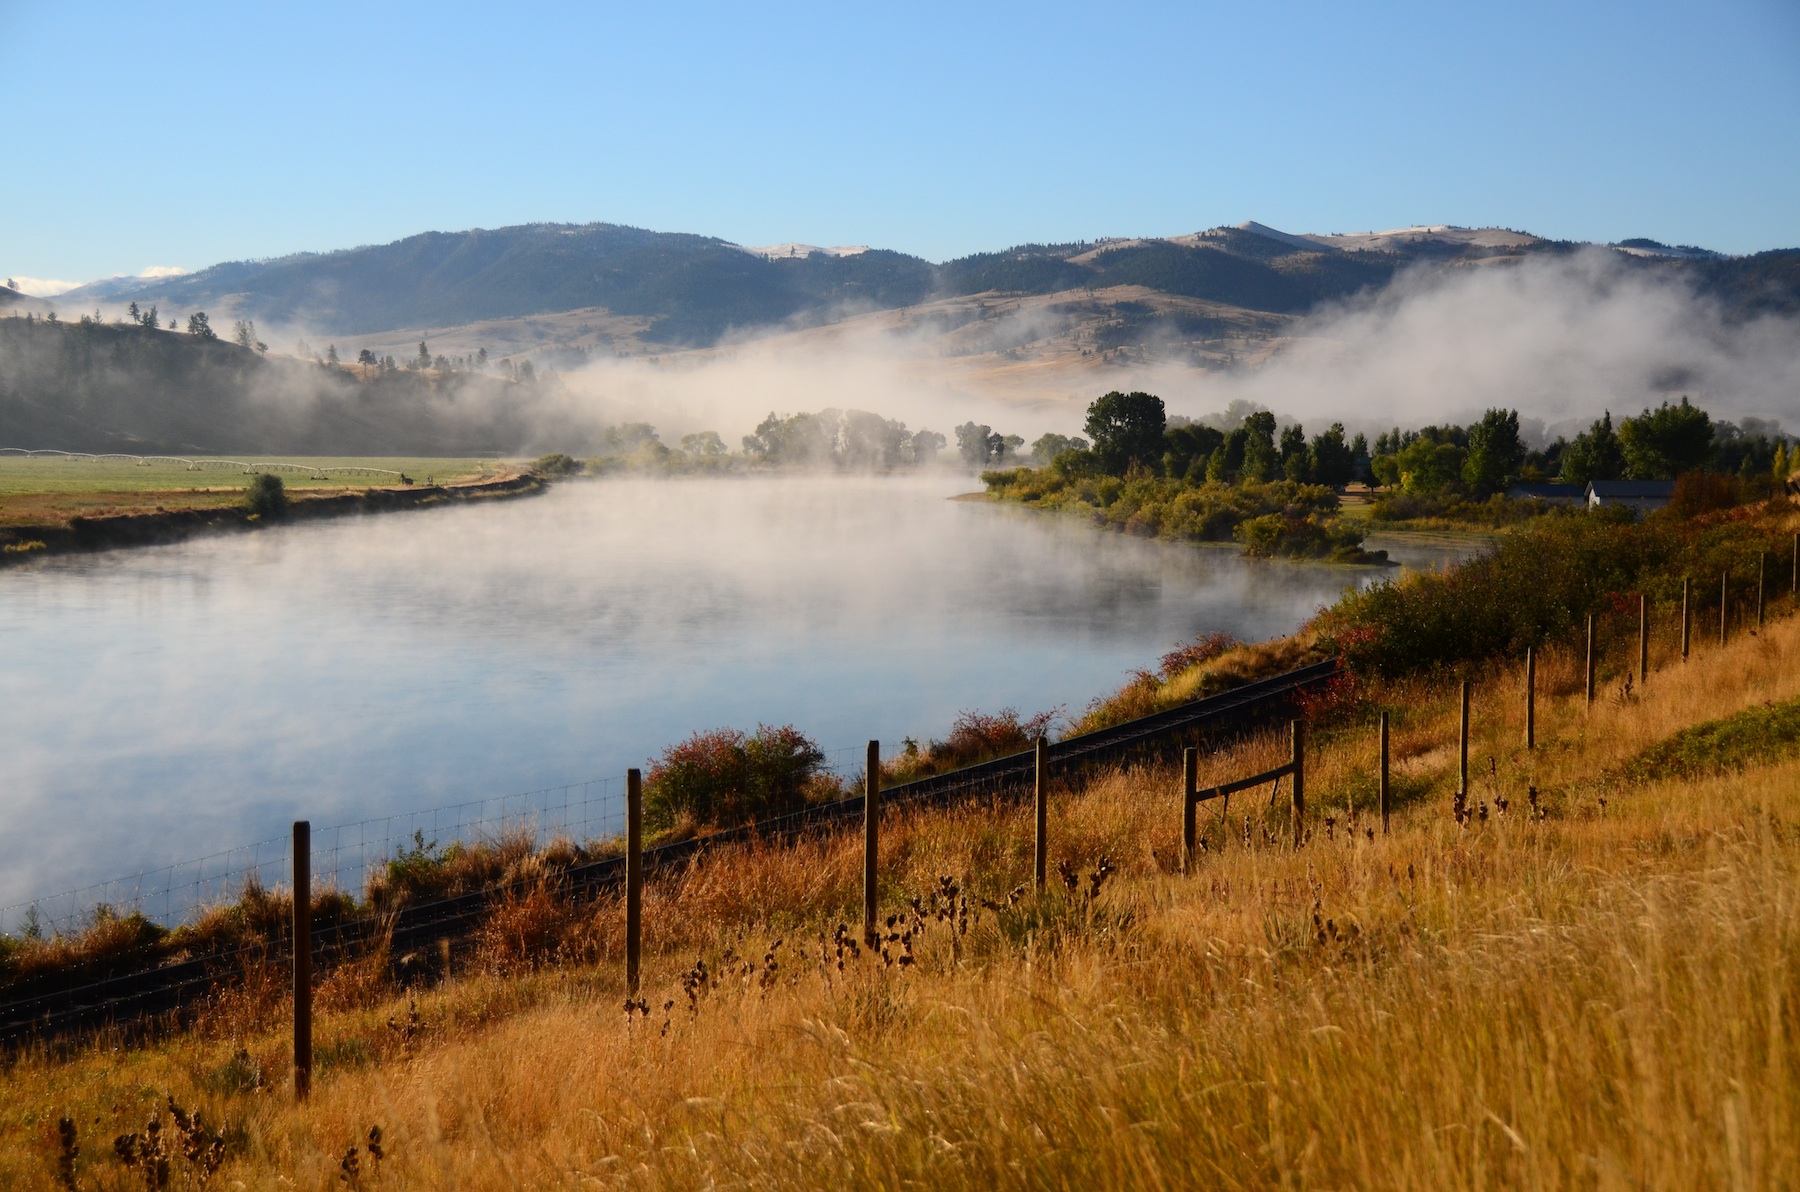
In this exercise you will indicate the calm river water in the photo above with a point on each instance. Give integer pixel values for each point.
(166, 703)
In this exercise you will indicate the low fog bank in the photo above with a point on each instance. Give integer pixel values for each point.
(1559, 338)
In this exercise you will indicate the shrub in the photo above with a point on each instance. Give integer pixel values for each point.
(725, 777)
(1537, 586)
(978, 736)
(426, 872)
(1704, 492)
(1497, 511)
(556, 465)
(1204, 648)
(1142, 503)
(266, 498)
(974, 737)
(1282, 535)
(1756, 735)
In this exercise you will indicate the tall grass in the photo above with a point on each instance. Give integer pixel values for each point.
(1596, 990)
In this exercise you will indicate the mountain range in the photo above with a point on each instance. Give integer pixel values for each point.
(643, 291)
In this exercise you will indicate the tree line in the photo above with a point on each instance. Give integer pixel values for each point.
(1488, 457)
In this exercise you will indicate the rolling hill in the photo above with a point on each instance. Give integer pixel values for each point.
(682, 291)
(1038, 325)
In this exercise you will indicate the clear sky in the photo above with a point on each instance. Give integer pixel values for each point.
(141, 135)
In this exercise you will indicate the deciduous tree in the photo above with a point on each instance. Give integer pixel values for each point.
(1661, 444)
(1127, 428)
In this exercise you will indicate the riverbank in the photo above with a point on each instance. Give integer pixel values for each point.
(1315, 1016)
(159, 526)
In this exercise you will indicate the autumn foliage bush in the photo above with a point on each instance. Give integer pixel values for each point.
(726, 777)
(974, 737)
(1539, 583)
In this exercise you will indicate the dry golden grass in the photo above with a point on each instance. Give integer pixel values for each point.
(1603, 996)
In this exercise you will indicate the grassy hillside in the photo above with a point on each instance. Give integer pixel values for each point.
(1587, 981)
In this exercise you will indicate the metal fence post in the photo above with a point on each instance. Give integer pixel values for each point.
(1724, 579)
(1384, 773)
(871, 835)
(1643, 640)
(1190, 806)
(1530, 698)
(1299, 728)
(303, 1051)
(1040, 855)
(634, 879)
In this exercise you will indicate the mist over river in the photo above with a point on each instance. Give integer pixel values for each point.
(172, 702)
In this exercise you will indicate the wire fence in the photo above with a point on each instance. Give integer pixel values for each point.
(345, 856)
(139, 981)
(136, 984)
(592, 812)
(165, 895)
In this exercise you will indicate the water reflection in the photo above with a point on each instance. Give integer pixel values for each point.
(165, 703)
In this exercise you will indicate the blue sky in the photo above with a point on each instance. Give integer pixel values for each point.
(141, 135)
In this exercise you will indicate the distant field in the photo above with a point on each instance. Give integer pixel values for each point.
(78, 474)
(52, 489)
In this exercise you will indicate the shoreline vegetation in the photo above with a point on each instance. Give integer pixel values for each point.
(1407, 1008)
(1533, 587)
(1250, 477)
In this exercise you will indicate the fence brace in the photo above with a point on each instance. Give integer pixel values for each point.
(1193, 797)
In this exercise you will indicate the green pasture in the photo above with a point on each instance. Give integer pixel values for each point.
(20, 474)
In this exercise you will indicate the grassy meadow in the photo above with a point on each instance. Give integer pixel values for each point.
(50, 489)
(1589, 983)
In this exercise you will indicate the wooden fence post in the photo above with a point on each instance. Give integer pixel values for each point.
(1794, 585)
(1762, 584)
(634, 879)
(1724, 589)
(303, 1050)
(1040, 858)
(1643, 640)
(871, 836)
(1462, 765)
(1530, 698)
(1299, 728)
(1384, 773)
(1686, 621)
(1190, 806)
(1590, 660)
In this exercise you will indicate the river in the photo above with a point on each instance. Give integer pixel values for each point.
(169, 703)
